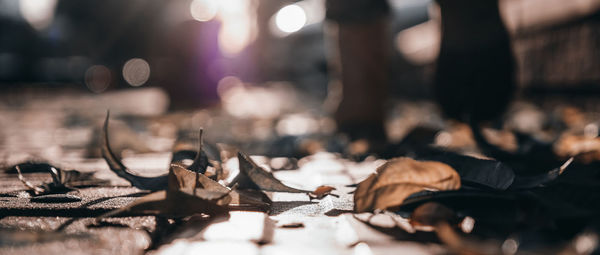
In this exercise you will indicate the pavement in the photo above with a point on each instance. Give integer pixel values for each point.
(64, 132)
(293, 225)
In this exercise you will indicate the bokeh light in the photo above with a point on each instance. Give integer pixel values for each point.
(258, 102)
(510, 246)
(586, 243)
(238, 26)
(38, 13)
(203, 10)
(136, 72)
(290, 18)
(233, 37)
(228, 83)
(97, 78)
(297, 124)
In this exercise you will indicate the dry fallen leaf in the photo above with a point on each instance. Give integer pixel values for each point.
(115, 165)
(321, 192)
(399, 178)
(62, 180)
(183, 197)
(185, 179)
(252, 176)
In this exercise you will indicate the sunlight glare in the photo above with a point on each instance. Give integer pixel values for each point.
(203, 10)
(38, 13)
(290, 18)
(238, 26)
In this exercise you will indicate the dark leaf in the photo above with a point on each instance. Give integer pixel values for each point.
(526, 182)
(30, 167)
(140, 182)
(252, 176)
(532, 156)
(201, 161)
(62, 181)
(480, 172)
(499, 213)
(460, 199)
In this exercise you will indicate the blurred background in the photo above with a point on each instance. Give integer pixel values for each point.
(258, 59)
(187, 47)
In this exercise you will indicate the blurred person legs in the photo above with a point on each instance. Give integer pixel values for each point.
(360, 38)
(474, 79)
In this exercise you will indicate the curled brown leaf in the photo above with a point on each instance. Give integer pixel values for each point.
(397, 179)
(321, 192)
(184, 179)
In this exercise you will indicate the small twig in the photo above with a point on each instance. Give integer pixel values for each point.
(199, 164)
(564, 166)
(56, 176)
(36, 190)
